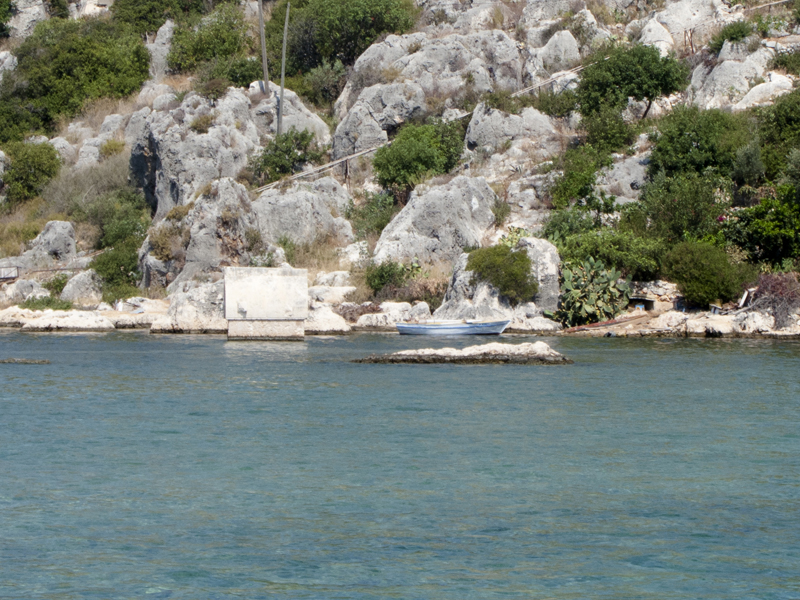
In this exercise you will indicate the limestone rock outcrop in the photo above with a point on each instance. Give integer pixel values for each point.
(199, 309)
(439, 221)
(83, 288)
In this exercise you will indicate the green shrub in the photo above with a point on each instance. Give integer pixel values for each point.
(580, 166)
(55, 285)
(636, 257)
(768, 232)
(45, 303)
(147, 16)
(289, 248)
(732, 32)
(553, 104)
(325, 82)
(378, 276)
(507, 270)
(503, 100)
(563, 223)
(222, 34)
(419, 151)
(119, 215)
(6, 12)
(63, 64)
(607, 131)
(636, 71)
(675, 209)
(590, 293)
(371, 217)
(691, 140)
(704, 273)
(119, 291)
(748, 168)
(788, 61)
(779, 129)
(58, 9)
(119, 265)
(501, 211)
(331, 30)
(32, 167)
(284, 155)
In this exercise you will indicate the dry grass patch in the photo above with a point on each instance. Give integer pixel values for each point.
(71, 189)
(320, 255)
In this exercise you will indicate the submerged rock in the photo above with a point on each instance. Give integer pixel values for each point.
(537, 353)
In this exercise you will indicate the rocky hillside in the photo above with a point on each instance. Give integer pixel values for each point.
(646, 131)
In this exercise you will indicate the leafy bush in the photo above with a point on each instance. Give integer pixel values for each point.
(704, 273)
(119, 265)
(636, 71)
(222, 34)
(748, 168)
(507, 270)
(119, 215)
(576, 184)
(326, 82)
(501, 211)
(691, 140)
(331, 30)
(45, 303)
(779, 128)
(678, 208)
(768, 232)
(147, 16)
(378, 276)
(788, 61)
(55, 285)
(503, 100)
(372, 217)
(607, 131)
(779, 293)
(590, 293)
(58, 9)
(636, 257)
(554, 104)
(6, 12)
(32, 166)
(564, 223)
(419, 151)
(284, 155)
(63, 64)
(733, 32)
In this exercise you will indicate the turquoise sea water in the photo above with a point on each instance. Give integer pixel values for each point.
(138, 466)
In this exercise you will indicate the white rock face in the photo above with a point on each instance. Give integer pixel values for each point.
(728, 82)
(84, 288)
(709, 325)
(334, 278)
(765, 93)
(199, 310)
(438, 222)
(656, 35)
(55, 244)
(754, 322)
(322, 320)
(440, 65)
(172, 160)
(378, 109)
(159, 50)
(304, 213)
(526, 353)
(330, 294)
(14, 316)
(391, 313)
(625, 177)
(72, 320)
(669, 320)
(491, 127)
(26, 15)
(21, 290)
(560, 53)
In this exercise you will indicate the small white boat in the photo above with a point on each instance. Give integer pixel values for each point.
(468, 327)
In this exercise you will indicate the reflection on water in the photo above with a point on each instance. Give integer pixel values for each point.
(190, 467)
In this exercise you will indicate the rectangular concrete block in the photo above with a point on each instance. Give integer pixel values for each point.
(265, 330)
(257, 294)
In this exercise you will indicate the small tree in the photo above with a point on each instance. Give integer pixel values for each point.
(284, 155)
(6, 11)
(32, 166)
(507, 270)
(638, 71)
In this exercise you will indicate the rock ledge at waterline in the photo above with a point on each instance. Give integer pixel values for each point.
(537, 353)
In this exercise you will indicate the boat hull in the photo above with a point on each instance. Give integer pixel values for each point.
(455, 328)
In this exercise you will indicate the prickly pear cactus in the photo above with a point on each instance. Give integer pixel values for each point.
(590, 293)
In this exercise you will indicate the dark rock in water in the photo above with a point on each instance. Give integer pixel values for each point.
(537, 353)
(23, 361)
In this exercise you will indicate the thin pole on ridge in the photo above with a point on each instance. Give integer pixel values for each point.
(283, 69)
(265, 82)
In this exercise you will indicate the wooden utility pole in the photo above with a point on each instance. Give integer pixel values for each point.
(283, 69)
(265, 82)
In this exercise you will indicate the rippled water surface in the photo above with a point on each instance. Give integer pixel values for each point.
(189, 467)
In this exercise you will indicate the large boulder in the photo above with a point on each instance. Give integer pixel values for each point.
(159, 49)
(322, 320)
(438, 222)
(304, 213)
(440, 65)
(54, 245)
(656, 35)
(765, 93)
(728, 82)
(21, 290)
(83, 288)
(25, 16)
(470, 299)
(625, 177)
(379, 108)
(561, 52)
(198, 309)
(491, 127)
